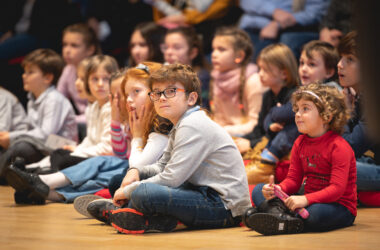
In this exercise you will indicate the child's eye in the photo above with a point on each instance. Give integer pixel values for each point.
(137, 91)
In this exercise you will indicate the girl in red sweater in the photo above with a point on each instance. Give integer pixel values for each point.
(321, 157)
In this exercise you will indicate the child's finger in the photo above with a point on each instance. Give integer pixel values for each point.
(271, 179)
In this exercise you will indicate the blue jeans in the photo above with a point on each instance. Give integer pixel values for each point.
(294, 40)
(91, 175)
(323, 216)
(196, 207)
(368, 174)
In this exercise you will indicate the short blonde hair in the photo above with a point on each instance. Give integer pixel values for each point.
(280, 56)
(329, 101)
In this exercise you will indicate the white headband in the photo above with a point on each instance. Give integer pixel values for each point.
(311, 93)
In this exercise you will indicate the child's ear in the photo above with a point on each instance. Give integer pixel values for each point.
(193, 53)
(329, 73)
(90, 50)
(284, 75)
(48, 78)
(239, 56)
(192, 99)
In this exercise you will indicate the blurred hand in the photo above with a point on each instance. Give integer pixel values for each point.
(268, 189)
(296, 201)
(119, 198)
(6, 36)
(131, 176)
(115, 108)
(242, 144)
(332, 36)
(270, 31)
(284, 18)
(137, 122)
(69, 147)
(276, 127)
(173, 21)
(4, 139)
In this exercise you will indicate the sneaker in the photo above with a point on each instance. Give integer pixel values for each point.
(29, 184)
(81, 203)
(131, 221)
(271, 224)
(101, 209)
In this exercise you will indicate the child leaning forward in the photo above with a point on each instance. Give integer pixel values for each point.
(324, 158)
(200, 179)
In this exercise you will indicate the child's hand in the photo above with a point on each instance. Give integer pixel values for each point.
(296, 201)
(137, 122)
(270, 31)
(69, 147)
(115, 112)
(4, 139)
(242, 144)
(268, 189)
(276, 127)
(119, 198)
(131, 176)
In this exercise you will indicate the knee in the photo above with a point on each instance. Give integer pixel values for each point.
(257, 195)
(147, 194)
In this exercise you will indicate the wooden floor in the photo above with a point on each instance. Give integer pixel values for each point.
(59, 226)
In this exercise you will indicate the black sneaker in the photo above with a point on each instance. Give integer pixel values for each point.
(271, 224)
(29, 185)
(250, 211)
(101, 209)
(131, 221)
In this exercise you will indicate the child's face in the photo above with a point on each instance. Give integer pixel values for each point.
(79, 83)
(270, 75)
(176, 49)
(99, 82)
(116, 90)
(348, 71)
(35, 81)
(308, 120)
(223, 55)
(174, 107)
(313, 69)
(136, 93)
(139, 48)
(74, 49)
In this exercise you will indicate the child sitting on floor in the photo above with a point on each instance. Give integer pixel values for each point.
(324, 158)
(199, 183)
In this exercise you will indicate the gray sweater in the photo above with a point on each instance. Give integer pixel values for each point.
(202, 153)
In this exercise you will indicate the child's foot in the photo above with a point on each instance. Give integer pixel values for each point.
(28, 198)
(270, 224)
(131, 221)
(28, 184)
(248, 214)
(101, 209)
(81, 203)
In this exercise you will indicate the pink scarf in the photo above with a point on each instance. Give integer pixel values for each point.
(226, 84)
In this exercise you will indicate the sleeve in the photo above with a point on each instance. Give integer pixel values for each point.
(120, 141)
(293, 180)
(53, 117)
(5, 113)
(357, 138)
(179, 164)
(258, 7)
(253, 98)
(152, 151)
(103, 147)
(340, 164)
(313, 12)
(283, 114)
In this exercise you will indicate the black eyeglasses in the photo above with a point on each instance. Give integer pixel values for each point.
(168, 93)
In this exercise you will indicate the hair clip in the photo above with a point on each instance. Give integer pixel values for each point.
(143, 67)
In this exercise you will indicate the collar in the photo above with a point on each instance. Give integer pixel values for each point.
(41, 97)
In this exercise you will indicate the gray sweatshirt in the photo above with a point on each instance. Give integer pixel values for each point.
(202, 153)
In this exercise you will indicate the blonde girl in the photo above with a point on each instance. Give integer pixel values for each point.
(326, 160)
(235, 92)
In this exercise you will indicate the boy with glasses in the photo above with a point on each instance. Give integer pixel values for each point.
(200, 179)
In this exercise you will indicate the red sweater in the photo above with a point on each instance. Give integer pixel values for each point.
(328, 163)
